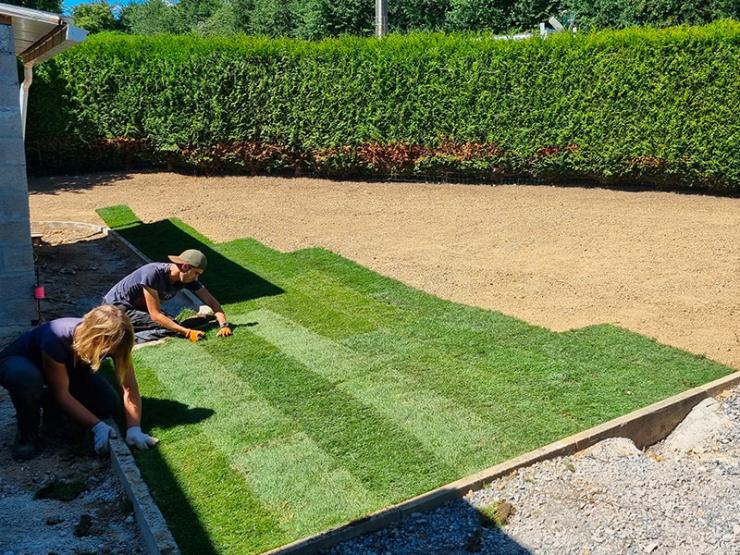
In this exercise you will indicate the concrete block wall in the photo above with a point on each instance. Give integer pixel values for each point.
(17, 305)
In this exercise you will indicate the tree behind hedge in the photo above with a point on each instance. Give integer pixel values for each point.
(526, 14)
(417, 15)
(481, 15)
(619, 14)
(150, 18)
(332, 18)
(53, 6)
(223, 21)
(318, 19)
(95, 17)
(274, 18)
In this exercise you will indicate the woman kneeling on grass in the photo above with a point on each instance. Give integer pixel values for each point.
(63, 356)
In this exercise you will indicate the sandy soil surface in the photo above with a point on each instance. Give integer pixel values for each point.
(76, 268)
(665, 265)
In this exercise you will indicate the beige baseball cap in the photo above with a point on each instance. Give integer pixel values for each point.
(191, 256)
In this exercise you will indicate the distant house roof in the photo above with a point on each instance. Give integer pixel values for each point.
(39, 35)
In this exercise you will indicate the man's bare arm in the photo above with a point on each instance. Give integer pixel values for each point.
(205, 295)
(153, 307)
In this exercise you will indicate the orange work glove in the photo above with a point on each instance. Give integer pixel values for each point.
(225, 331)
(195, 335)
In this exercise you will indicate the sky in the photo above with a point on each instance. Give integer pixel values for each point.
(67, 5)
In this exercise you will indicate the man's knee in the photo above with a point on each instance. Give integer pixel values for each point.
(140, 319)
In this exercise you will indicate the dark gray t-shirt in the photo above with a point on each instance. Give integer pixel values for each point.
(54, 338)
(129, 292)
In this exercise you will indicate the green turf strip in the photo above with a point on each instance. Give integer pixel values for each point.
(304, 484)
(388, 459)
(343, 391)
(118, 216)
(399, 399)
(328, 320)
(320, 354)
(192, 376)
(287, 471)
(198, 491)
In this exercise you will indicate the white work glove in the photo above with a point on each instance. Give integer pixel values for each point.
(134, 436)
(103, 434)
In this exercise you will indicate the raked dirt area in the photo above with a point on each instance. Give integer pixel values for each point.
(663, 264)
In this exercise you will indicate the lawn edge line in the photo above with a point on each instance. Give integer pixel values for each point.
(644, 427)
(151, 523)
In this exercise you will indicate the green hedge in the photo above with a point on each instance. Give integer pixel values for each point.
(636, 106)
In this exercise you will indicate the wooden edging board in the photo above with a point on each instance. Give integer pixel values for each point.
(644, 427)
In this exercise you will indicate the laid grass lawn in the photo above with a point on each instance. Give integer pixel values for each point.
(342, 392)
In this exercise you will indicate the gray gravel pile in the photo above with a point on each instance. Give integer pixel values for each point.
(679, 496)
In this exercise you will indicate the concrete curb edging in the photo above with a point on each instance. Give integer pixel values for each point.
(644, 427)
(152, 525)
(78, 226)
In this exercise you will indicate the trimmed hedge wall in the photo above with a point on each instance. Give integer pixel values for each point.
(636, 106)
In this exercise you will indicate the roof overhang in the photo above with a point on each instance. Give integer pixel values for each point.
(39, 35)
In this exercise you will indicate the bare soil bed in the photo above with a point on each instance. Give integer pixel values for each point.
(666, 265)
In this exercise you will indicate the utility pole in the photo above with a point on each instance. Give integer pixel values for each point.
(381, 18)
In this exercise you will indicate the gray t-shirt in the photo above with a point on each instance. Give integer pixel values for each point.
(129, 292)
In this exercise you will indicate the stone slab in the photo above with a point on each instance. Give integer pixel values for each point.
(157, 536)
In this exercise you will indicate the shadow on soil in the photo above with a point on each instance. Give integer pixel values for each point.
(68, 183)
(229, 282)
(56, 184)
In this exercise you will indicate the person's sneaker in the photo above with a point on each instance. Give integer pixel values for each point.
(25, 448)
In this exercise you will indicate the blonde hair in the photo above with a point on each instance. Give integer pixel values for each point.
(104, 331)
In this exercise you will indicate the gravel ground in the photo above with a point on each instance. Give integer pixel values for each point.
(611, 498)
(98, 519)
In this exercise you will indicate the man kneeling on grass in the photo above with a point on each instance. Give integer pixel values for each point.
(141, 292)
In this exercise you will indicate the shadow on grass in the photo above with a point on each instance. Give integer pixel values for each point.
(228, 281)
(183, 520)
(166, 413)
(185, 523)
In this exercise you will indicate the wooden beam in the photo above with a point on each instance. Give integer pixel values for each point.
(51, 39)
(5, 20)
